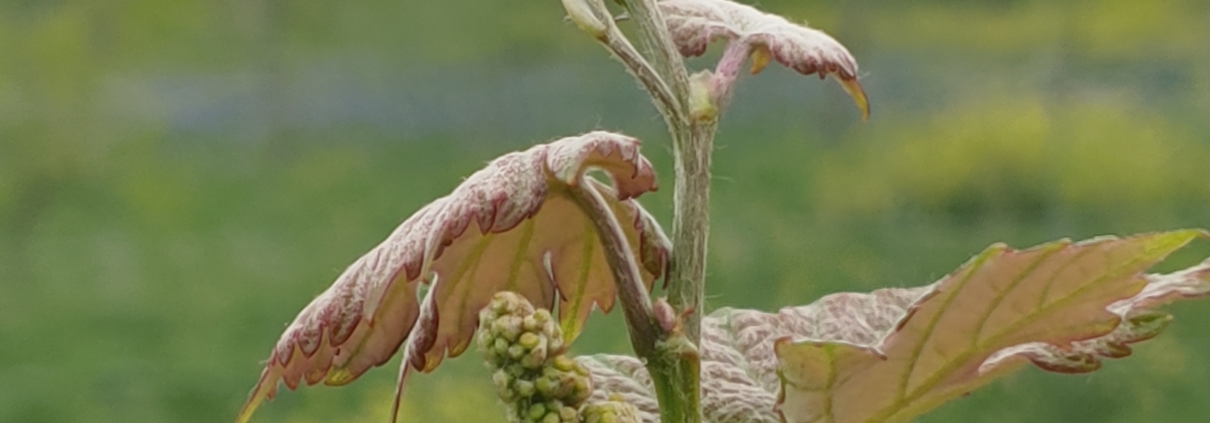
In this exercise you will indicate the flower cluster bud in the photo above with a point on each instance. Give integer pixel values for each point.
(615, 410)
(531, 371)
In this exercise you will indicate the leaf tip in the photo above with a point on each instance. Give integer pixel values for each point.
(1164, 243)
(339, 376)
(570, 325)
(265, 388)
(854, 89)
(400, 384)
(996, 249)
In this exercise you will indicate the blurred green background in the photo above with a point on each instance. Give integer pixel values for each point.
(177, 179)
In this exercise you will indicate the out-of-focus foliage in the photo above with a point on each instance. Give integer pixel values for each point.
(178, 178)
(1095, 159)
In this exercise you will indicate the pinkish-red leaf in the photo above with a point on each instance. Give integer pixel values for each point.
(511, 226)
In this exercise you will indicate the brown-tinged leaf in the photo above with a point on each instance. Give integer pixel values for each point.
(511, 226)
(739, 370)
(1061, 306)
(843, 358)
(694, 24)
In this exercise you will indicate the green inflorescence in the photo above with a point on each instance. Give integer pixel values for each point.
(531, 371)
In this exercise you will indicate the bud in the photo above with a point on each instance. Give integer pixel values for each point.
(503, 382)
(515, 352)
(565, 363)
(581, 13)
(535, 358)
(581, 389)
(524, 388)
(665, 315)
(615, 410)
(537, 411)
(703, 106)
(509, 327)
(500, 347)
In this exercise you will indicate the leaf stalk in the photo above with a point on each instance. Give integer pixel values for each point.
(672, 360)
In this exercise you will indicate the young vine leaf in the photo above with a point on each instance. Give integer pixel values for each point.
(1059, 305)
(896, 353)
(694, 24)
(512, 226)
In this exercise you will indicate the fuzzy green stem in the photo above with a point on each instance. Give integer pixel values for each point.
(677, 374)
(691, 225)
(693, 143)
(656, 41)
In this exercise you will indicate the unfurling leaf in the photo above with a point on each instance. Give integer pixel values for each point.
(1059, 305)
(694, 24)
(893, 354)
(512, 226)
